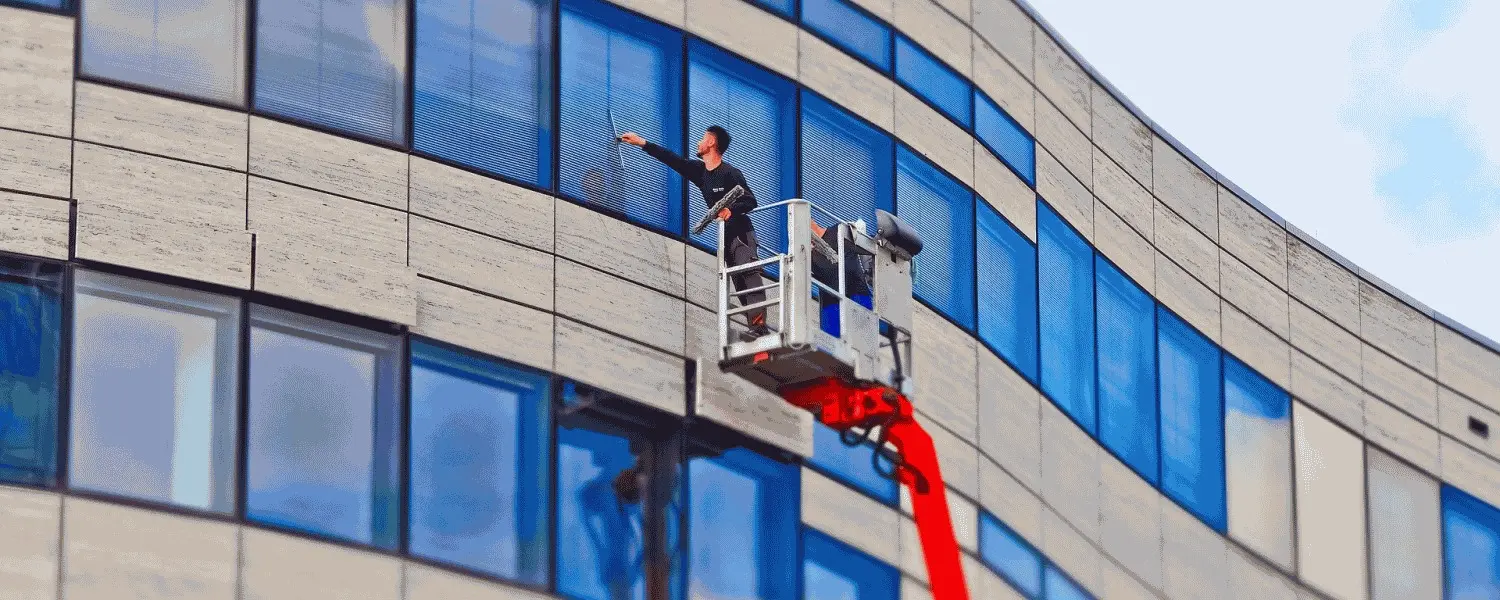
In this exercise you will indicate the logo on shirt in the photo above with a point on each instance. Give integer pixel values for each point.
(718, 189)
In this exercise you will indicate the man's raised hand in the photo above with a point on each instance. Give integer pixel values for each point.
(633, 139)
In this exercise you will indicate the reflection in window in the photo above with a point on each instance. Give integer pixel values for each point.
(1065, 284)
(1406, 527)
(743, 524)
(1192, 420)
(30, 336)
(1258, 439)
(620, 73)
(1010, 556)
(482, 85)
(1007, 290)
(336, 63)
(195, 48)
(155, 375)
(833, 570)
(1471, 547)
(851, 464)
(601, 539)
(1127, 369)
(942, 213)
(479, 452)
(324, 427)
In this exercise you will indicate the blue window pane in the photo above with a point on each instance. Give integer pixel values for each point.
(851, 464)
(600, 551)
(933, 80)
(743, 524)
(1258, 469)
(1192, 420)
(1065, 282)
(145, 43)
(1060, 587)
(786, 8)
(620, 73)
(1127, 369)
(833, 570)
(942, 212)
(851, 29)
(1010, 556)
(846, 163)
(479, 453)
(44, 3)
(337, 64)
(1471, 547)
(155, 392)
(482, 85)
(759, 109)
(1007, 291)
(324, 427)
(30, 335)
(1000, 133)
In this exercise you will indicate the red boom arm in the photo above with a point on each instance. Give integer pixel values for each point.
(843, 406)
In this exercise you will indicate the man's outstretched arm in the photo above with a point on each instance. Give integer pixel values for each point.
(689, 169)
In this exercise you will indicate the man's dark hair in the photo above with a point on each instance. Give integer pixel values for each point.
(721, 138)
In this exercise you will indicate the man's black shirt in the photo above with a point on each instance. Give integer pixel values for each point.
(714, 184)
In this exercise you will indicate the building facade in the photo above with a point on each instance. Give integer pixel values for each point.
(358, 299)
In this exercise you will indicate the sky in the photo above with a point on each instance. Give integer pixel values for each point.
(1373, 125)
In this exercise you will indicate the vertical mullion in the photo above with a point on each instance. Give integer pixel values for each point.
(64, 402)
(242, 441)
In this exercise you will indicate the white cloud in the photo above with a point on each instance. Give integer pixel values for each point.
(1274, 95)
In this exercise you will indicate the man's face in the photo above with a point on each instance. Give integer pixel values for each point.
(705, 144)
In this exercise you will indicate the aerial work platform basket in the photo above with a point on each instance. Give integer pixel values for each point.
(846, 359)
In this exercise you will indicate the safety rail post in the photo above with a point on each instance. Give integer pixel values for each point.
(723, 295)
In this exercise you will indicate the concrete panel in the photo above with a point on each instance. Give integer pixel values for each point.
(1252, 293)
(1391, 325)
(1061, 79)
(620, 307)
(429, 583)
(1130, 520)
(1252, 237)
(702, 276)
(1251, 578)
(999, 80)
(1256, 346)
(1121, 135)
(932, 135)
(671, 12)
(1186, 246)
(1010, 423)
(1187, 297)
(850, 516)
(1065, 141)
(486, 205)
(730, 400)
(480, 262)
(282, 567)
(945, 368)
(932, 26)
(151, 123)
(29, 557)
(620, 366)
(1319, 337)
(489, 325)
(911, 589)
(1468, 367)
(1321, 388)
(111, 551)
(1455, 414)
(984, 583)
(1007, 28)
(958, 460)
(36, 71)
(1119, 584)
(617, 247)
(1403, 436)
(884, 9)
(747, 30)
(1184, 187)
(1010, 501)
(161, 215)
(1195, 559)
(847, 82)
(34, 225)
(328, 163)
(1064, 193)
(1399, 384)
(1070, 471)
(1470, 470)
(1124, 195)
(997, 185)
(1330, 469)
(1070, 551)
(1322, 284)
(1119, 243)
(36, 164)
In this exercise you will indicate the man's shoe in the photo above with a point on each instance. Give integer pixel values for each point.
(755, 332)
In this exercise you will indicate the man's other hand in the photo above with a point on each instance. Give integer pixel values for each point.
(633, 139)
(724, 214)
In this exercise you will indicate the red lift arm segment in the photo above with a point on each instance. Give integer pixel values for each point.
(843, 406)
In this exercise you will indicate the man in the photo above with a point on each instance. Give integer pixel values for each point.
(714, 178)
(856, 282)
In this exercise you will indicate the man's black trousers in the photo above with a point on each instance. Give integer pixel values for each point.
(742, 250)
